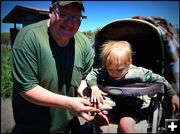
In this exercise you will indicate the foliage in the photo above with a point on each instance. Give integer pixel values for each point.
(91, 35)
(5, 38)
(6, 78)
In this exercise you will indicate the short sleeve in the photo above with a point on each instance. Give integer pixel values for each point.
(24, 63)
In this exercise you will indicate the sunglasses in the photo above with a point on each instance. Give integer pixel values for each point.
(65, 17)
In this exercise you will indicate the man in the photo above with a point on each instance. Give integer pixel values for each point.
(50, 59)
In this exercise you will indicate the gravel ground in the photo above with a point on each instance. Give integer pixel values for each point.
(7, 121)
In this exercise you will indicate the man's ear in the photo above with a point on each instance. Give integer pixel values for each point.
(50, 11)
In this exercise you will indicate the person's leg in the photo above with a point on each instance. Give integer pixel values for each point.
(16, 130)
(127, 124)
(74, 126)
(21, 130)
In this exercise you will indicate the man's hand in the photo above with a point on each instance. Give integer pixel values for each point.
(82, 107)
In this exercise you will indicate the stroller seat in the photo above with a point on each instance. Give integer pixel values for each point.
(154, 90)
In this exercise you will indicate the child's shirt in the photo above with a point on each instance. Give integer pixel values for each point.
(134, 75)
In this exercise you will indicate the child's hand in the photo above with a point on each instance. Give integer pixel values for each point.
(97, 95)
(175, 104)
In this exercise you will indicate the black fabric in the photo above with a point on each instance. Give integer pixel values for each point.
(24, 121)
(127, 107)
(73, 128)
(76, 128)
(21, 130)
(64, 57)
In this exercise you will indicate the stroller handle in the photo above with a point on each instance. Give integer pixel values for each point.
(135, 89)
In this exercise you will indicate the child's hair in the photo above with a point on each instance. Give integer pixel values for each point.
(116, 52)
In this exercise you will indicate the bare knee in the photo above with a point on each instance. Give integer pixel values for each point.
(127, 124)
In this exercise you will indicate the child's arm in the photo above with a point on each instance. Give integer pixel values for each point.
(149, 76)
(91, 79)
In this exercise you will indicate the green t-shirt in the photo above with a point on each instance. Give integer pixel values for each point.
(37, 60)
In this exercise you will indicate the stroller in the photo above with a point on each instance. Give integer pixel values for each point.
(156, 46)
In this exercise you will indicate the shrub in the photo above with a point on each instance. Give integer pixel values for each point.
(6, 78)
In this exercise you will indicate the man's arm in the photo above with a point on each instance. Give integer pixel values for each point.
(78, 106)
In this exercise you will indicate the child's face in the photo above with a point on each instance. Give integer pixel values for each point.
(117, 71)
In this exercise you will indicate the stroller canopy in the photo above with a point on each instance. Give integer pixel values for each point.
(153, 40)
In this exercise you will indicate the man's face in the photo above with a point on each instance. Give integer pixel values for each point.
(65, 21)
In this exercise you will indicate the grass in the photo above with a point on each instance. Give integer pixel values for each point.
(6, 78)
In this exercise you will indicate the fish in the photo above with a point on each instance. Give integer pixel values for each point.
(108, 104)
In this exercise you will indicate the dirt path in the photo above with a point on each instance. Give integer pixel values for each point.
(7, 121)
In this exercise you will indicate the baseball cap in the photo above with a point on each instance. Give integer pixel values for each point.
(64, 3)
